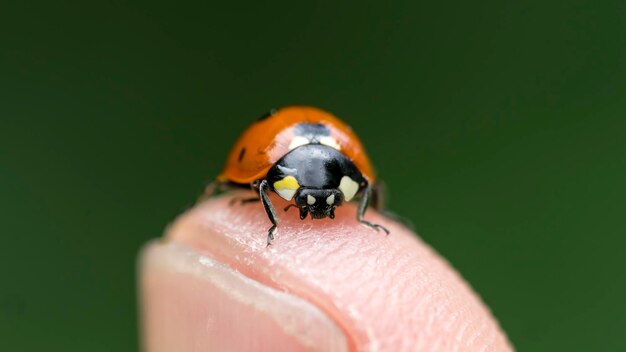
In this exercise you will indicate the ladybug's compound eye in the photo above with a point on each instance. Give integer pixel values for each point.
(287, 187)
(348, 187)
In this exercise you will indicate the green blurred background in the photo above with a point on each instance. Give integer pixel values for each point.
(498, 127)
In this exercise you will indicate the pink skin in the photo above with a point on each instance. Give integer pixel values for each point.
(323, 285)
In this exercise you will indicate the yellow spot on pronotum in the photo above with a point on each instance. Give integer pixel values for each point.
(287, 187)
(288, 182)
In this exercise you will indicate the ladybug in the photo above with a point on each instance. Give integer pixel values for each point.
(305, 155)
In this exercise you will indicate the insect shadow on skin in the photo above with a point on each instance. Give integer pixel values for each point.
(307, 156)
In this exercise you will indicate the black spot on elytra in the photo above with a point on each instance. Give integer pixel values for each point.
(268, 114)
(242, 152)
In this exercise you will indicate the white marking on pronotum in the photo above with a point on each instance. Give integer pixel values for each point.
(286, 193)
(310, 200)
(298, 141)
(331, 142)
(348, 187)
(331, 199)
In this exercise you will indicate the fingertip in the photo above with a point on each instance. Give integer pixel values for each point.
(380, 292)
(193, 303)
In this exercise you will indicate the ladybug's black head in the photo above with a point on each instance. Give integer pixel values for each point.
(319, 177)
(320, 203)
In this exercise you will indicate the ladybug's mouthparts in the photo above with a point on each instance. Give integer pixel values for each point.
(322, 214)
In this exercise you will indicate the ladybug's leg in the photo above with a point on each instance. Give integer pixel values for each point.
(378, 195)
(378, 203)
(269, 209)
(254, 186)
(365, 198)
(214, 188)
(242, 200)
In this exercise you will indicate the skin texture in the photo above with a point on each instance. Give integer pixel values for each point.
(323, 285)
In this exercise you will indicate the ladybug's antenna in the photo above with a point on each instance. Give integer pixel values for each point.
(290, 206)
